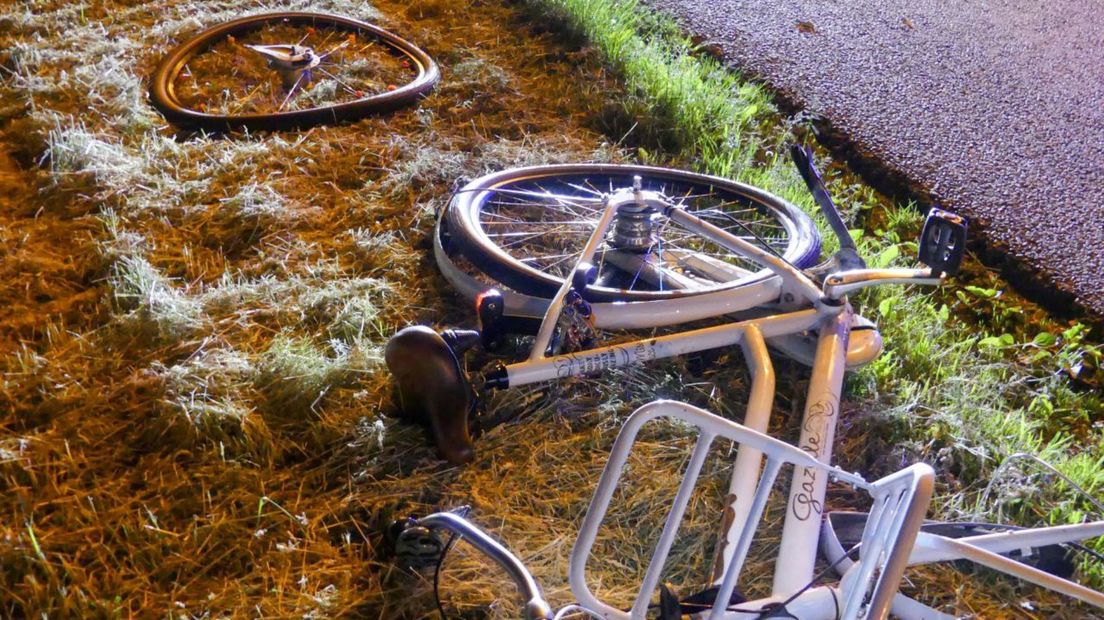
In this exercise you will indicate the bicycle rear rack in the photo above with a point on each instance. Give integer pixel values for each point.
(899, 502)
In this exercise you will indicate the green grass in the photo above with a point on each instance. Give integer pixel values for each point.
(966, 380)
(691, 105)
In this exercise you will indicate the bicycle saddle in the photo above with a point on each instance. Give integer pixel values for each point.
(432, 388)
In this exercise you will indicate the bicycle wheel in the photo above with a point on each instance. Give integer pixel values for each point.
(284, 70)
(524, 228)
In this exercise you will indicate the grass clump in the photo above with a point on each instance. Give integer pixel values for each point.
(205, 400)
(73, 149)
(238, 221)
(154, 305)
(295, 375)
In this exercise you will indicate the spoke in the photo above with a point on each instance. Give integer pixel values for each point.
(572, 200)
(659, 247)
(504, 218)
(643, 261)
(601, 263)
(562, 209)
(536, 258)
(567, 200)
(549, 211)
(588, 190)
(539, 222)
(735, 259)
(555, 200)
(710, 249)
(333, 77)
(329, 34)
(339, 46)
(684, 235)
(562, 260)
(736, 223)
(291, 92)
(723, 207)
(528, 236)
(763, 242)
(689, 195)
(528, 193)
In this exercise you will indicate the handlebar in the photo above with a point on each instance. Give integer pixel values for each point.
(841, 283)
(942, 242)
(536, 608)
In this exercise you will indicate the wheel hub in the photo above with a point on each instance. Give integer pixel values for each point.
(290, 61)
(637, 215)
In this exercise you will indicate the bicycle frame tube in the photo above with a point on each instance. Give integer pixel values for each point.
(646, 350)
(792, 277)
(800, 532)
(745, 472)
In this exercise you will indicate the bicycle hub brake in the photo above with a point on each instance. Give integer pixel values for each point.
(637, 212)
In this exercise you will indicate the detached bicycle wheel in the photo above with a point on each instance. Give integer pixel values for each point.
(525, 227)
(286, 70)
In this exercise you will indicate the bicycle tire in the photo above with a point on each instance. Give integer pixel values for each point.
(163, 96)
(466, 232)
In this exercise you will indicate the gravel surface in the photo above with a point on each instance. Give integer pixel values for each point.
(993, 108)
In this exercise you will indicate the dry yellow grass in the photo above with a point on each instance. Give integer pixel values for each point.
(191, 390)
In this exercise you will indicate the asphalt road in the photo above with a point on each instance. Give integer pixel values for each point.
(994, 108)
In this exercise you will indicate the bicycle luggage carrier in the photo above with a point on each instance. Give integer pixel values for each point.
(899, 502)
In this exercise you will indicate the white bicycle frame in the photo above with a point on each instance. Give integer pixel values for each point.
(824, 312)
(891, 538)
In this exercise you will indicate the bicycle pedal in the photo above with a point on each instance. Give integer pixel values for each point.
(943, 242)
